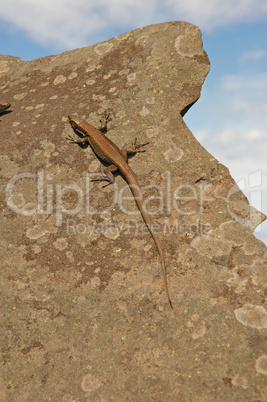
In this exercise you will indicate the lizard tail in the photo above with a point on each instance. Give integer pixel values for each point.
(136, 191)
(157, 242)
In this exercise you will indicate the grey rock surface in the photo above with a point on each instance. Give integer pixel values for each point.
(84, 314)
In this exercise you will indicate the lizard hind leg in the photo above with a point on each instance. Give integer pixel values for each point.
(137, 145)
(132, 149)
(107, 175)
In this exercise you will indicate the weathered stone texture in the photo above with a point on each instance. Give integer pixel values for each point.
(84, 315)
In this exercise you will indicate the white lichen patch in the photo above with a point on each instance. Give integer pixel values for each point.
(237, 281)
(240, 381)
(95, 282)
(60, 79)
(103, 48)
(252, 316)
(60, 244)
(98, 97)
(69, 255)
(196, 326)
(142, 40)
(144, 112)
(173, 154)
(20, 96)
(37, 152)
(152, 132)
(36, 232)
(150, 100)
(259, 274)
(148, 358)
(261, 365)
(18, 199)
(90, 383)
(213, 248)
(72, 75)
(190, 43)
(8, 167)
(90, 82)
(122, 37)
(40, 106)
(105, 105)
(68, 398)
(112, 232)
(124, 72)
(29, 208)
(4, 67)
(36, 249)
(47, 146)
(91, 68)
(120, 114)
(131, 77)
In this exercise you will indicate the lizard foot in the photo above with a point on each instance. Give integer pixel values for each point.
(103, 122)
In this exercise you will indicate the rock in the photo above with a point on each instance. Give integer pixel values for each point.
(84, 312)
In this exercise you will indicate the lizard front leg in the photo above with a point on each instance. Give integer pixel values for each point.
(80, 141)
(104, 123)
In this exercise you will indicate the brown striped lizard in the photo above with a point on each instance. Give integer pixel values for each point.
(117, 160)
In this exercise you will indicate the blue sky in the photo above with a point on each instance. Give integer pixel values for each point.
(230, 118)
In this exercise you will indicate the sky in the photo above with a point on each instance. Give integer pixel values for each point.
(229, 119)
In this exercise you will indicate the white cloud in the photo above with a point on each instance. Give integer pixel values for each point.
(253, 55)
(260, 107)
(245, 82)
(236, 143)
(65, 24)
(73, 23)
(242, 105)
(210, 14)
(62, 23)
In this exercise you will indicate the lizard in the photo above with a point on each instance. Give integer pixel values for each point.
(117, 160)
